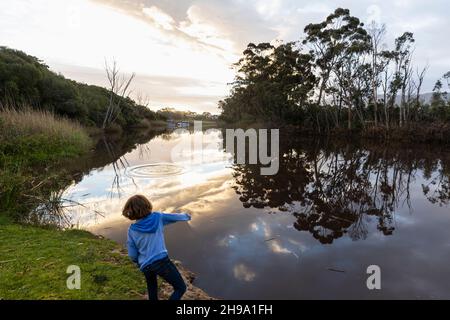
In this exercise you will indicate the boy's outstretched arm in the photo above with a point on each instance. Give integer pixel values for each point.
(168, 218)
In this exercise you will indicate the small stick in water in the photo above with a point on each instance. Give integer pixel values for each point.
(336, 270)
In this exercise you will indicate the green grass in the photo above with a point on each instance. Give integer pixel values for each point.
(34, 261)
(33, 142)
(34, 137)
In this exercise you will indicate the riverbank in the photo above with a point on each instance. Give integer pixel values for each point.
(34, 252)
(438, 132)
(33, 142)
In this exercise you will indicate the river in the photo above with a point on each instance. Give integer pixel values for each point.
(311, 231)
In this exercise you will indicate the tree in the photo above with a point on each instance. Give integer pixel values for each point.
(272, 82)
(342, 73)
(447, 77)
(403, 71)
(118, 87)
(26, 82)
(340, 37)
(418, 85)
(377, 34)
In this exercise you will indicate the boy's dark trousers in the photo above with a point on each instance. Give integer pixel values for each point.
(169, 272)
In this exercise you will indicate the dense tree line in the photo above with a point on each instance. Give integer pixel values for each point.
(171, 113)
(339, 76)
(26, 82)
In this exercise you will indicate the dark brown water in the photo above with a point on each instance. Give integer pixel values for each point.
(311, 231)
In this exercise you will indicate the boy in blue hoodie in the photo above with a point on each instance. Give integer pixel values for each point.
(146, 245)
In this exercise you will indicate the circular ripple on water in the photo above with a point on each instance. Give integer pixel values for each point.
(155, 170)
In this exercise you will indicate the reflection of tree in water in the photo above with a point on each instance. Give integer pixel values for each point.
(437, 190)
(110, 150)
(334, 190)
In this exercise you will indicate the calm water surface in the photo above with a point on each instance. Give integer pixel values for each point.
(311, 231)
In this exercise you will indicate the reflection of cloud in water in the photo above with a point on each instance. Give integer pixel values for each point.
(227, 241)
(174, 195)
(301, 246)
(198, 188)
(243, 273)
(277, 248)
(262, 228)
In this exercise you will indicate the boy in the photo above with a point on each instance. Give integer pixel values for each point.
(146, 245)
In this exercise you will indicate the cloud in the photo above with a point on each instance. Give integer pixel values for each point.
(162, 91)
(213, 23)
(374, 14)
(196, 41)
(159, 17)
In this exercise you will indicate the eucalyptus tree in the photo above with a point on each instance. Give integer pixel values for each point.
(418, 82)
(334, 42)
(342, 72)
(447, 77)
(273, 81)
(385, 59)
(403, 70)
(438, 102)
(293, 70)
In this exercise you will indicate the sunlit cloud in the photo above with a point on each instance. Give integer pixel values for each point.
(182, 51)
(160, 18)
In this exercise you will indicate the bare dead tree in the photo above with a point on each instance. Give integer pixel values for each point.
(386, 78)
(418, 84)
(119, 86)
(377, 34)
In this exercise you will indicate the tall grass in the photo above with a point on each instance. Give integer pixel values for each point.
(31, 142)
(39, 135)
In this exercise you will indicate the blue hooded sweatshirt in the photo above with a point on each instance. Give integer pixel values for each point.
(146, 238)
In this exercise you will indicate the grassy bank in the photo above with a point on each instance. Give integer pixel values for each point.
(33, 142)
(37, 136)
(34, 262)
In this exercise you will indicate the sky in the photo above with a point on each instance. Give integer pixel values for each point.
(182, 50)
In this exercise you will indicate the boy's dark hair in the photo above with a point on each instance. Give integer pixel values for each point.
(137, 207)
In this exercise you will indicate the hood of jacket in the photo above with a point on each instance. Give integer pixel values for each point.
(149, 224)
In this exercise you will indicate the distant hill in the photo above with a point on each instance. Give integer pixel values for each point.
(424, 97)
(25, 81)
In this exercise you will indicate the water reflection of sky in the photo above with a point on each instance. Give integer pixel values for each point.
(257, 253)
